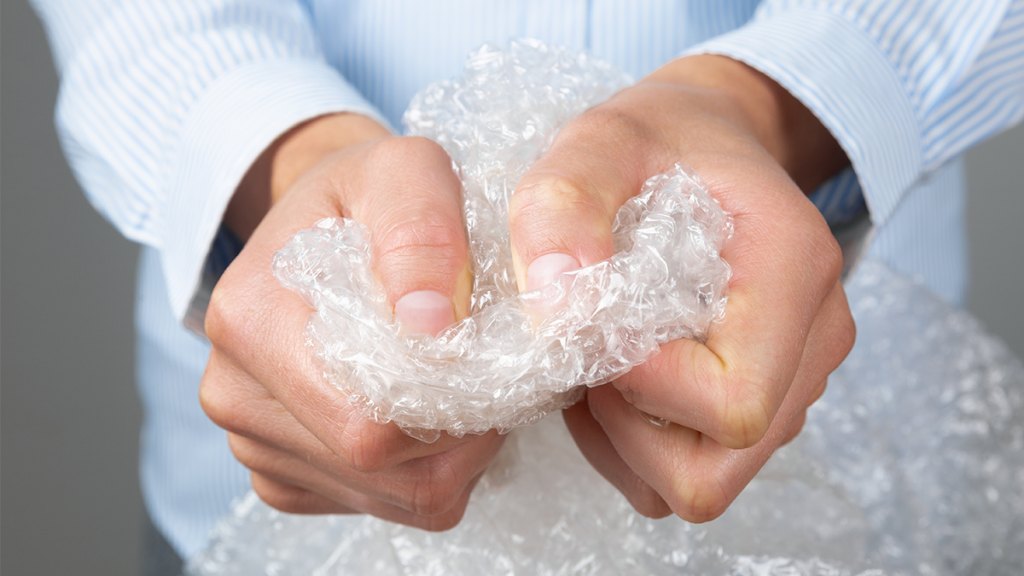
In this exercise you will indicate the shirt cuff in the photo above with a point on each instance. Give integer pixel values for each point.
(836, 71)
(236, 119)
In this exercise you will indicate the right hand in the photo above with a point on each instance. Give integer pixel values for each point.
(308, 449)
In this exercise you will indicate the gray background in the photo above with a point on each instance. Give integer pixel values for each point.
(70, 497)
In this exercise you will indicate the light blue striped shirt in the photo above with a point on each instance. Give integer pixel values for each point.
(164, 104)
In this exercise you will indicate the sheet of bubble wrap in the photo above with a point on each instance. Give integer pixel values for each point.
(517, 357)
(911, 463)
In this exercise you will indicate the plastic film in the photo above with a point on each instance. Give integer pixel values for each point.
(911, 463)
(518, 356)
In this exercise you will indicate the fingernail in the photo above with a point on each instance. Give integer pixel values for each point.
(545, 269)
(424, 312)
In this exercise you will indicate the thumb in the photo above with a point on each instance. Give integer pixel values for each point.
(561, 214)
(413, 209)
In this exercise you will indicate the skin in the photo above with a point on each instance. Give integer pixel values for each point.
(728, 403)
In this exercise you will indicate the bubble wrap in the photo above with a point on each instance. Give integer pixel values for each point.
(911, 463)
(517, 357)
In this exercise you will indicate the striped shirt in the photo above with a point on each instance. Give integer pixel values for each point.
(164, 104)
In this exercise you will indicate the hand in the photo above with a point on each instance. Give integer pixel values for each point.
(309, 450)
(732, 400)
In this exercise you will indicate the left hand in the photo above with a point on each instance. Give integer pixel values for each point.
(734, 399)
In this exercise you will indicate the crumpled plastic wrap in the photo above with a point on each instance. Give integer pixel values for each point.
(911, 463)
(517, 357)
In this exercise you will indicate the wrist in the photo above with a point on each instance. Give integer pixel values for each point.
(793, 136)
(287, 158)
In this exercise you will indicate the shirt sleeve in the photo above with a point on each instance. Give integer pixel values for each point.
(903, 86)
(164, 105)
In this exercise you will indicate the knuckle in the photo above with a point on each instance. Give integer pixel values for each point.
(280, 497)
(650, 507)
(795, 428)
(541, 195)
(541, 206)
(610, 122)
(246, 453)
(831, 256)
(215, 401)
(705, 508)
(232, 316)
(419, 240)
(438, 491)
(219, 320)
(847, 336)
(745, 417)
(819, 391)
(446, 521)
(800, 422)
(424, 256)
(700, 500)
(841, 335)
(363, 449)
(645, 500)
(418, 234)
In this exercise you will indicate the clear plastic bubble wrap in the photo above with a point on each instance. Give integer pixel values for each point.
(517, 357)
(911, 463)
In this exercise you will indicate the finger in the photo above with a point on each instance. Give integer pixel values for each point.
(438, 479)
(413, 209)
(786, 263)
(294, 499)
(286, 468)
(696, 477)
(238, 403)
(561, 214)
(422, 492)
(796, 428)
(734, 401)
(672, 387)
(598, 450)
(818, 392)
